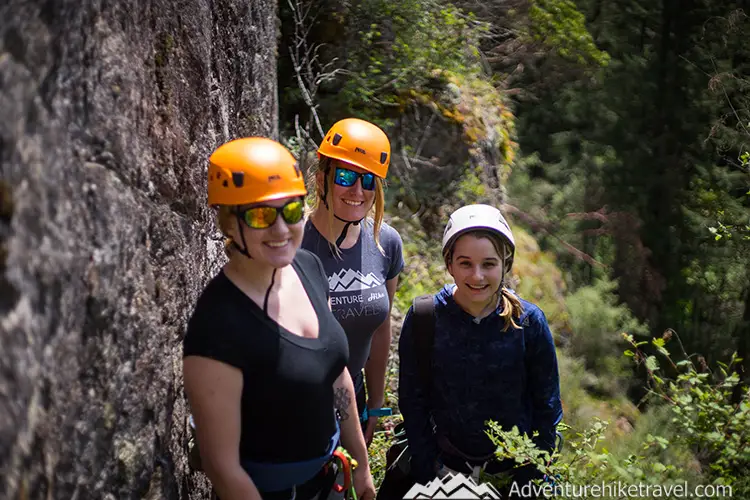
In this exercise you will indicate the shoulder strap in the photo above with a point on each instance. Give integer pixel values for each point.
(424, 336)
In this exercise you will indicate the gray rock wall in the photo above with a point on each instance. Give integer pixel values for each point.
(108, 112)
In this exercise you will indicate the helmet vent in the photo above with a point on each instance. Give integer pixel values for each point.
(225, 184)
(238, 178)
(383, 157)
(336, 139)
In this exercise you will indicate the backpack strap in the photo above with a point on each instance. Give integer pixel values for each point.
(424, 336)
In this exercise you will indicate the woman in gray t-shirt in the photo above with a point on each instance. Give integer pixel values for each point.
(362, 256)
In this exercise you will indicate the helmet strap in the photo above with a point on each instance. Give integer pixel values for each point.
(243, 251)
(502, 278)
(342, 236)
(499, 290)
(268, 292)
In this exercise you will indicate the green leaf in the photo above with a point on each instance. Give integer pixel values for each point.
(714, 436)
(651, 363)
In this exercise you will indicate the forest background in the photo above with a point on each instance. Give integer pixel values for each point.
(616, 138)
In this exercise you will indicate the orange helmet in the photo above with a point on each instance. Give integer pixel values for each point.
(251, 170)
(360, 143)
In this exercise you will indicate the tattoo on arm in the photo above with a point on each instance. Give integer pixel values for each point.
(341, 401)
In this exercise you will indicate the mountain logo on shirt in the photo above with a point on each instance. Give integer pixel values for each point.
(349, 280)
(453, 486)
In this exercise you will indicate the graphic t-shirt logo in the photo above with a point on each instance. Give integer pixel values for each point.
(349, 280)
(453, 486)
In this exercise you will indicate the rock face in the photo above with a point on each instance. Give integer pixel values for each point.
(452, 146)
(109, 112)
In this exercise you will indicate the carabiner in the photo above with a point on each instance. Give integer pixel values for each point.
(348, 464)
(344, 461)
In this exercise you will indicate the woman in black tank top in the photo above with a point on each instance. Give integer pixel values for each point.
(264, 357)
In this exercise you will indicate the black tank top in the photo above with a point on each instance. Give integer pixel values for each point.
(287, 396)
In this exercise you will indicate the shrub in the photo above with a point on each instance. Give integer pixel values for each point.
(692, 432)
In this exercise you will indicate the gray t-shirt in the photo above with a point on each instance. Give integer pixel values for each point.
(356, 280)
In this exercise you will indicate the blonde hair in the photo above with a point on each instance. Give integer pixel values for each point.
(325, 165)
(512, 308)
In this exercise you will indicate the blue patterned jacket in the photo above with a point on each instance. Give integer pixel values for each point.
(479, 373)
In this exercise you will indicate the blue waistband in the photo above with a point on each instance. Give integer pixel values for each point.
(375, 412)
(272, 477)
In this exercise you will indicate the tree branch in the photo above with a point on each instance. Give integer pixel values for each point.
(545, 227)
(304, 58)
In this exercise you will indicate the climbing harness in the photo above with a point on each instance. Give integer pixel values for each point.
(282, 476)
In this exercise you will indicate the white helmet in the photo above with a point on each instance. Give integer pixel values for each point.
(478, 216)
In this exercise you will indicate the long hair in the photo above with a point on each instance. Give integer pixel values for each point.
(512, 308)
(325, 164)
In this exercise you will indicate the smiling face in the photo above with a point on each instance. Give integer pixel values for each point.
(274, 246)
(351, 203)
(476, 266)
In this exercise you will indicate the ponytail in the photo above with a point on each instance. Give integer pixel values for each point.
(511, 310)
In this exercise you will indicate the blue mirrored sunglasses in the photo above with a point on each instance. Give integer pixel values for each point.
(346, 178)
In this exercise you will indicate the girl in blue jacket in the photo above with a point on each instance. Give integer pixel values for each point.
(493, 358)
